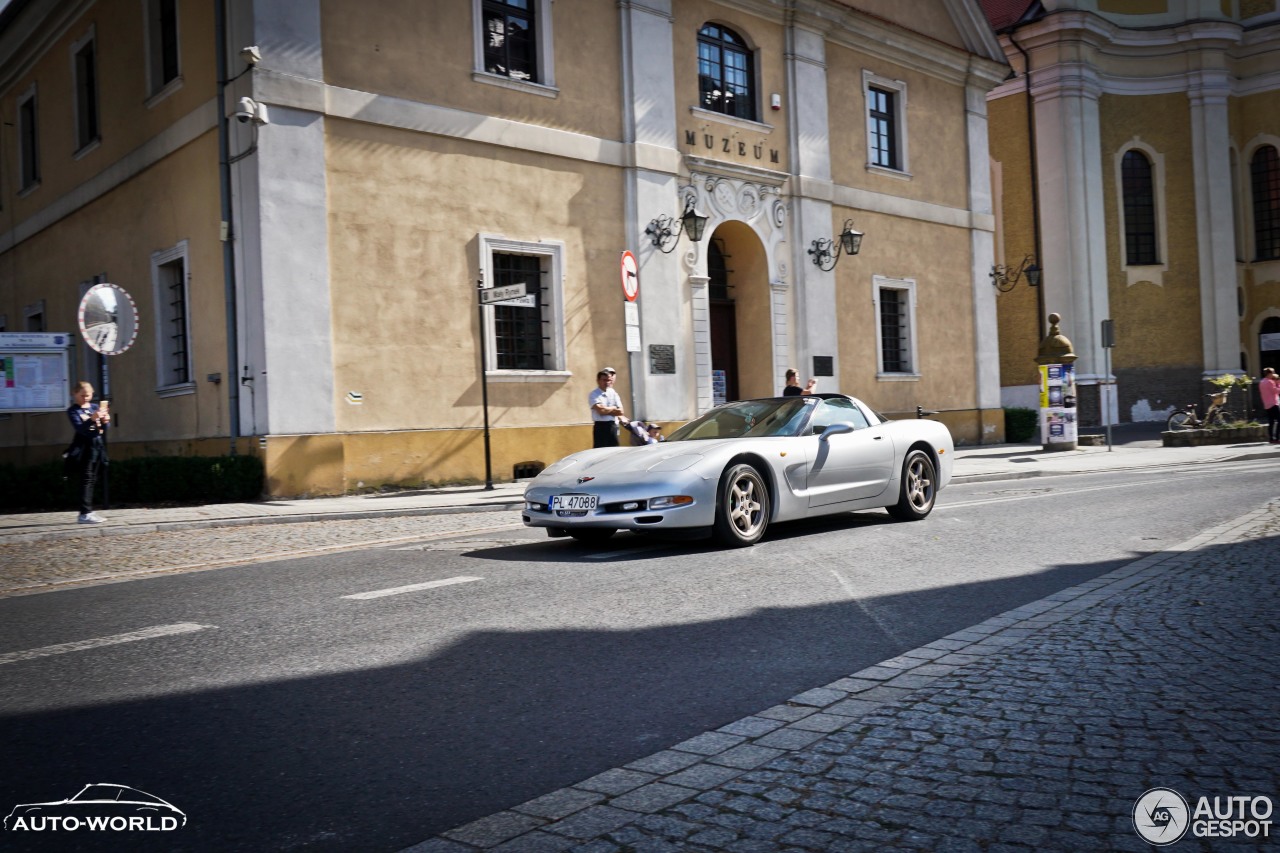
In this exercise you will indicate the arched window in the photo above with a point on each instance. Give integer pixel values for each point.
(1265, 169)
(725, 73)
(1139, 210)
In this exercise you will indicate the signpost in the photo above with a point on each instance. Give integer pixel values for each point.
(630, 274)
(1108, 341)
(511, 294)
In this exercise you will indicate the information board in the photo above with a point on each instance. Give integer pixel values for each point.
(35, 372)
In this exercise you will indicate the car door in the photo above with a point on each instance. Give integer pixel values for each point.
(851, 465)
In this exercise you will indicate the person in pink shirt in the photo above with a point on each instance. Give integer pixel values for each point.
(1269, 390)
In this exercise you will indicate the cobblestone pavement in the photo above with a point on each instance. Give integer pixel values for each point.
(33, 566)
(1036, 730)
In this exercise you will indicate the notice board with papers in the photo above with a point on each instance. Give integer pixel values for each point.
(35, 371)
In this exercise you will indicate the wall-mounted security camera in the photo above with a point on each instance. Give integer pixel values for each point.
(251, 54)
(249, 110)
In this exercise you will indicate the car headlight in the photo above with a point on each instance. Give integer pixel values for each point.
(669, 501)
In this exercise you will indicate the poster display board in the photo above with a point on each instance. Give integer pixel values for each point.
(35, 373)
(719, 387)
(1058, 404)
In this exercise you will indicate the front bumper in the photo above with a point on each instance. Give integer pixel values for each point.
(621, 508)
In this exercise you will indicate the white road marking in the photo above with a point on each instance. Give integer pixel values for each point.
(882, 624)
(397, 590)
(1061, 492)
(83, 645)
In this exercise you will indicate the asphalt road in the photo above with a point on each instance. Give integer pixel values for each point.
(285, 715)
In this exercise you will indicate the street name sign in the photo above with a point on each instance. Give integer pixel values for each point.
(490, 295)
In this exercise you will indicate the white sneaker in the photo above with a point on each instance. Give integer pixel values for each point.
(90, 518)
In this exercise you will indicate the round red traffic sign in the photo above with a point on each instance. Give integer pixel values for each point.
(630, 276)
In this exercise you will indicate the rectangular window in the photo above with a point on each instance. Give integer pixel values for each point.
(28, 141)
(893, 332)
(882, 128)
(85, 62)
(33, 316)
(513, 45)
(162, 43)
(886, 112)
(510, 39)
(173, 328)
(521, 333)
(895, 307)
(525, 337)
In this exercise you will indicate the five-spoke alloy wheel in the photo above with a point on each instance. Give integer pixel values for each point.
(742, 512)
(919, 487)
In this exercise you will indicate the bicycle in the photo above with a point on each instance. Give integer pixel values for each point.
(1216, 416)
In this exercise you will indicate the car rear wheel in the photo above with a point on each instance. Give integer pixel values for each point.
(592, 534)
(919, 488)
(742, 513)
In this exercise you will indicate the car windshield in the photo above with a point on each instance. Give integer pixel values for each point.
(748, 419)
(98, 792)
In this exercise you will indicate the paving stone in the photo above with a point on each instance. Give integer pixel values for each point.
(746, 757)
(658, 764)
(557, 804)
(751, 726)
(592, 821)
(536, 842)
(787, 713)
(709, 743)
(493, 830)
(652, 797)
(703, 776)
(818, 697)
(821, 723)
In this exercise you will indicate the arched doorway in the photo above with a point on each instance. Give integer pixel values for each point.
(738, 302)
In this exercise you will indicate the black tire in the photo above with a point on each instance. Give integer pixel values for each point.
(742, 512)
(1180, 420)
(592, 534)
(919, 487)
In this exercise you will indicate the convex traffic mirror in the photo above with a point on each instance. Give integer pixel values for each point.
(108, 319)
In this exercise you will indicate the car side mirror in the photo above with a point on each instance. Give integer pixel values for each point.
(835, 429)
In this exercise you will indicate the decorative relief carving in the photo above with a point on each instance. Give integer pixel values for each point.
(749, 201)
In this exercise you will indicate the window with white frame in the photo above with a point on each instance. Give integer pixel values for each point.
(28, 140)
(513, 44)
(1143, 232)
(525, 337)
(170, 279)
(84, 66)
(726, 73)
(886, 106)
(164, 62)
(895, 311)
(33, 316)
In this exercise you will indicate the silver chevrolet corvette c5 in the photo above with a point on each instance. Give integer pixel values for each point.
(744, 465)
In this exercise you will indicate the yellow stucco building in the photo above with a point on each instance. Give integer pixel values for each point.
(304, 197)
(1147, 186)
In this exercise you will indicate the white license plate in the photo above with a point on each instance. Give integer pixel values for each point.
(574, 502)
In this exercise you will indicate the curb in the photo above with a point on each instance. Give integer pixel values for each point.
(128, 529)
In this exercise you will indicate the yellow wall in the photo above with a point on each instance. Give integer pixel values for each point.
(406, 268)
(400, 52)
(1156, 325)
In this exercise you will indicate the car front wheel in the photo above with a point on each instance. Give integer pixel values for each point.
(742, 513)
(919, 488)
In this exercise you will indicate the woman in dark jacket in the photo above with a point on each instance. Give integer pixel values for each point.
(88, 450)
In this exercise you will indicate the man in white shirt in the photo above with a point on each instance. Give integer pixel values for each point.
(606, 409)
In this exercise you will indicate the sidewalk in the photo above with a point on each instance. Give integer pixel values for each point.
(972, 464)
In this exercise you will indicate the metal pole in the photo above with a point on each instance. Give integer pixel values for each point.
(484, 390)
(104, 465)
(1106, 402)
(228, 235)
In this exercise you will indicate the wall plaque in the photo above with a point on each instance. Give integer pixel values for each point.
(824, 365)
(662, 358)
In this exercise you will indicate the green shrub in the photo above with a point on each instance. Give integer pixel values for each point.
(1020, 424)
(144, 480)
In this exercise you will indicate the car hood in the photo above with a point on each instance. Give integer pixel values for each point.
(613, 461)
